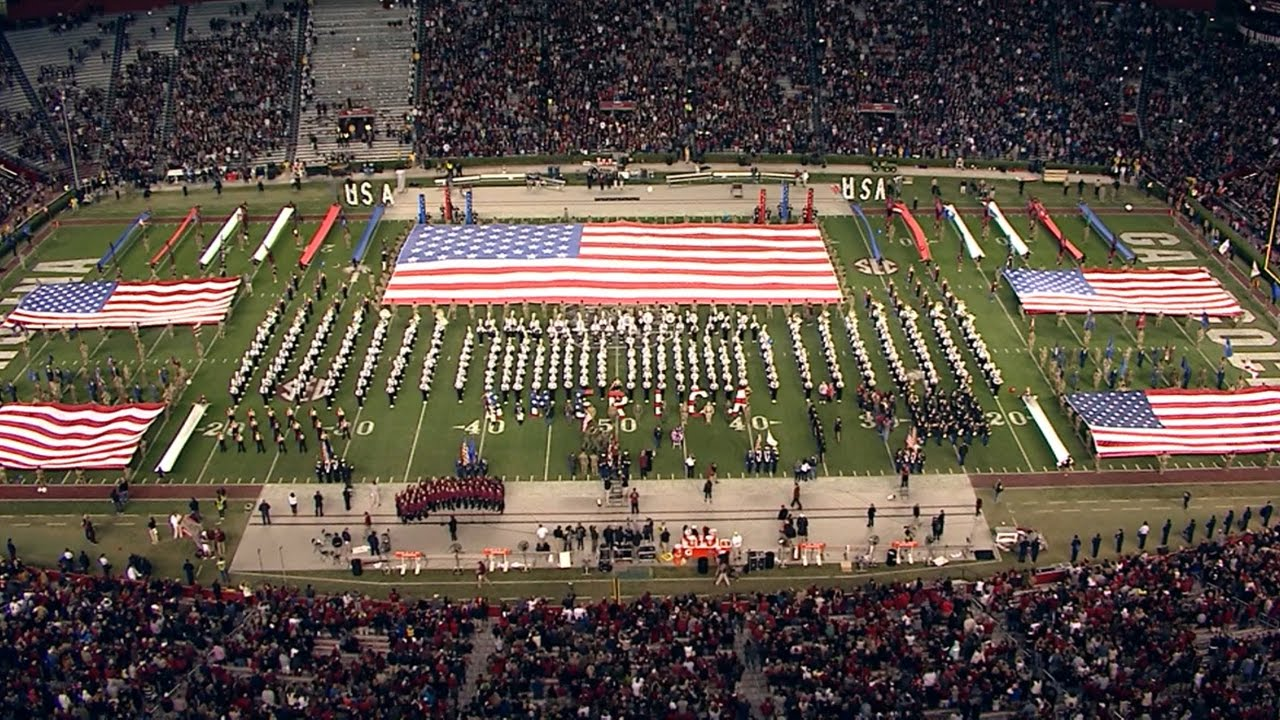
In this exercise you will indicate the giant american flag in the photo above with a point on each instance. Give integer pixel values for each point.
(52, 436)
(110, 304)
(1181, 422)
(1172, 291)
(607, 263)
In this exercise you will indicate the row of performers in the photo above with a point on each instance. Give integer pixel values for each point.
(541, 403)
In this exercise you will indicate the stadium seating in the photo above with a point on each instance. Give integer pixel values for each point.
(1122, 85)
(19, 196)
(1187, 634)
(346, 42)
(249, 55)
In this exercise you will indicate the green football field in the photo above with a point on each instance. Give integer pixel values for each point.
(414, 439)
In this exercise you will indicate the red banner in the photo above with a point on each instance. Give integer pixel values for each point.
(883, 108)
(617, 105)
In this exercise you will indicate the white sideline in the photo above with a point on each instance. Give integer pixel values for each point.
(1015, 240)
(273, 234)
(180, 440)
(462, 180)
(1060, 455)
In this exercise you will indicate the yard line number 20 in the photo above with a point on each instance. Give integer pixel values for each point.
(364, 428)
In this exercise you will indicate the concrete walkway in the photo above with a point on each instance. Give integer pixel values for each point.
(836, 508)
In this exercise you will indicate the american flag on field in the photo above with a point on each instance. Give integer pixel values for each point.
(1172, 291)
(65, 437)
(607, 263)
(124, 304)
(1181, 422)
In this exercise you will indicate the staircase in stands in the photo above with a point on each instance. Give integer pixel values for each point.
(358, 59)
(33, 98)
(301, 60)
(117, 62)
(180, 36)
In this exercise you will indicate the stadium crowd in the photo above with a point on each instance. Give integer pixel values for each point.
(1191, 633)
(250, 61)
(134, 152)
(1122, 85)
(19, 197)
(654, 657)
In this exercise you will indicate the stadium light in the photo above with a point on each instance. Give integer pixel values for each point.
(1271, 233)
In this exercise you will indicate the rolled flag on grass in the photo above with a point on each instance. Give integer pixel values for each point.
(223, 235)
(180, 440)
(277, 229)
(1016, 244)
(970, 244)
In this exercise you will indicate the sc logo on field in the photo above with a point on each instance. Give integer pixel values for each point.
(868, 266)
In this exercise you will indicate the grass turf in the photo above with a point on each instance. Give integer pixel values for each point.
(411, 439)
(431, 435)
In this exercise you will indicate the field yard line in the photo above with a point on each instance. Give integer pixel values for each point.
(995, 395)
(207, 460)
(34, 354)
(37, 353)
(484, 431)
(272, 467)
(355, 423)
(199, 364)
(360, 411)
(1039, 369)
(1030, 466)
(1194, 343)
(546, 464)
(413, 449)
(884, 284)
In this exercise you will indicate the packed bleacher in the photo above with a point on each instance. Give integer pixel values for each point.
(482, 82)
(1191, 633)
(94, 646)
(83, 107)
(348, 654)
(27, 138)
(19, 197)
(653, 657)
(249, 59)
(638, 60)
(1213, 115)
(1122, 85)
(135, 120)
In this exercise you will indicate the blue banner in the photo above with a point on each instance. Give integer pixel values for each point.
(365, 239)
(117, 248)
(866, 228)
(1105, 233)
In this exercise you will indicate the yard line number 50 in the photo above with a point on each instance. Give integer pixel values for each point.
(499, 426)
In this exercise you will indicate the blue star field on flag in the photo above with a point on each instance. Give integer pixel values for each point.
(1125, 409)
(432, 243)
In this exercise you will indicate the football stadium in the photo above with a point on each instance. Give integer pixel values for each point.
(672, 359)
